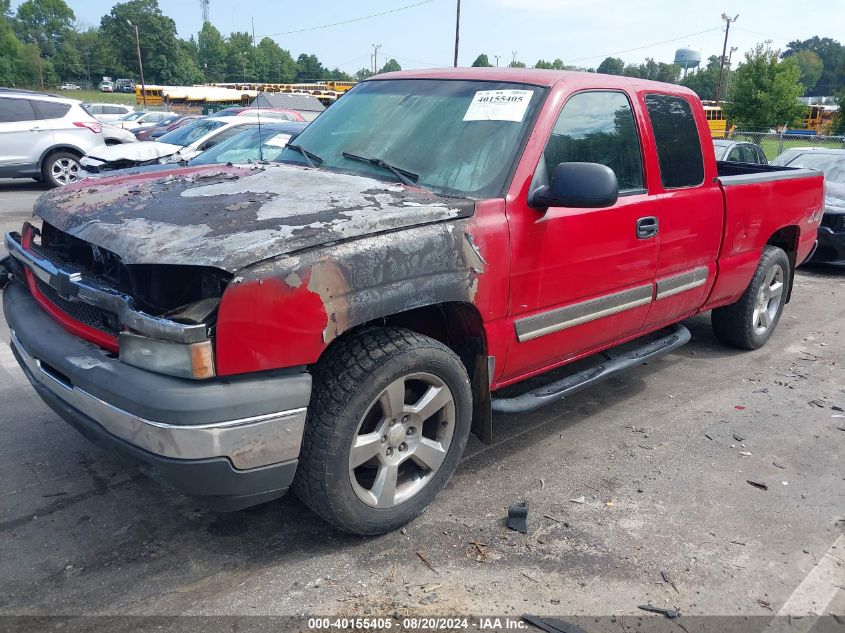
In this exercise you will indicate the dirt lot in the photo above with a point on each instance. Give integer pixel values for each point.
(638, 494)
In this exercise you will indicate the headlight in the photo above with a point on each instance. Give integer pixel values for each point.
(194, 360)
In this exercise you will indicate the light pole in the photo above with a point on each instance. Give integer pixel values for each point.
(457, 32)
(140, 63)
(728, 21)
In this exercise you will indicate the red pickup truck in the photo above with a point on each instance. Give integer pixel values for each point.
(340, 321)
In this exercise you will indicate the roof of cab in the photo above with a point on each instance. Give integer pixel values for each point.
(537, 77)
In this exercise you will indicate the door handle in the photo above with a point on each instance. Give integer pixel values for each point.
(36, 129)
(647, 227)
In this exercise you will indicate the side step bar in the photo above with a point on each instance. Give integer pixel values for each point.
(589, 377)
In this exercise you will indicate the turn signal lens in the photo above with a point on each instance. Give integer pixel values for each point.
(194, 360)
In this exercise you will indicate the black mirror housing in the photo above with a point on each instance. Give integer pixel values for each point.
(577, 185)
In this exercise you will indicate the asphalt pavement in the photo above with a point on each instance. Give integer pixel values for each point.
(637, 494)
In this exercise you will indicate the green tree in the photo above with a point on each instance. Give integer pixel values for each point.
(364, 73)
(46, 22)
(211, 53)
(481, 62)
(309, 69)
(832, 54)
(240, 58)
(275, 64)
(391, 66)
(764, 91)
(838, 127)
(516, 64)
(13, 71)
(703, 82)
(611, 66)
(555, 65)
(339, 75)
(811, 66)
(166, 60)
(96, 55)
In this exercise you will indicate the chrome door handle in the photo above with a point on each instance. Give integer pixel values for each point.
(647, 227)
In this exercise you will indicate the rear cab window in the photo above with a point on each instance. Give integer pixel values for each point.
(677, 140)
(15, 110)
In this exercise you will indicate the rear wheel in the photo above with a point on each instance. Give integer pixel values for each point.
(749, 322)
(60, 169)
(388, 422)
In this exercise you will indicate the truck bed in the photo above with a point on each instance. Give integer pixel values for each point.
(763, 202)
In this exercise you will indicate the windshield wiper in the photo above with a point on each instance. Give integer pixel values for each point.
(310, 157)
(405, 177)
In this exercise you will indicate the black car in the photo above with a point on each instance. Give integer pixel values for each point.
(831, 248)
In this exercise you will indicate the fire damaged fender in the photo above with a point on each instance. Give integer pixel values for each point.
(286, 311)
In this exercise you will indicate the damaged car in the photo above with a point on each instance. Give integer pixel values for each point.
(338, 322)
(182, 144)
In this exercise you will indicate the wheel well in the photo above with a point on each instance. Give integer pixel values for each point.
(460, 327)
(787, 240)
(59, 148)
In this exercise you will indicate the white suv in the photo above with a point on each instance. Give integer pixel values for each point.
(43, 137)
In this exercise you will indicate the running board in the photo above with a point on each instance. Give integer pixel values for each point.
(589, 377)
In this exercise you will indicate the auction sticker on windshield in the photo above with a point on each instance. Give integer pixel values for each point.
(498, 105)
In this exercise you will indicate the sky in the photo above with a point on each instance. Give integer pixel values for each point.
(580, 32)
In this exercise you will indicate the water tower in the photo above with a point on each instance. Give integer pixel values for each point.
(687, 58)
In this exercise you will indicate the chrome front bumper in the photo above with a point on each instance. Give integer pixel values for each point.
(247, 442)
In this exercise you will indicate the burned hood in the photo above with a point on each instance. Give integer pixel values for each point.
(230, 217)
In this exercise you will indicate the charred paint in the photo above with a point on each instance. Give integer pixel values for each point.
(232, 217)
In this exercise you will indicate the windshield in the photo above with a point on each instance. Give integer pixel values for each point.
(459, 137)
(832, 166)
(187, 134)
(243, 148)
(133, 115)
(720, 151)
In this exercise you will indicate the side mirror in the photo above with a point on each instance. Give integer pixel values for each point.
(579, 185)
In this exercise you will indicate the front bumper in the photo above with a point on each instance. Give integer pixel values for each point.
(234, 442)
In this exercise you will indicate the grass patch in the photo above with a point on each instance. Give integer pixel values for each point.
(774, 147)
(95, 96)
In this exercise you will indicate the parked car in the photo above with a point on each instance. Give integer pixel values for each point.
(108, 112)
(265, 143)
(44, 136)
(140, 119)
(143, 133)
(739, 152)
(68, 86)
(180, 122)
(113, 135)
(831, 249)
(179, 145)
(279, 114)
(106, 86)
(340, 321)
(124, 85)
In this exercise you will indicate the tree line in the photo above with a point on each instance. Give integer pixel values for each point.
(42, 43)
(761, 93)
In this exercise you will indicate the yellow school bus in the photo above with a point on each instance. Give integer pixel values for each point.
(716, 121)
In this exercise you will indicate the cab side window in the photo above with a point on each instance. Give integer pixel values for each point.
(677, 140)
(598, 127)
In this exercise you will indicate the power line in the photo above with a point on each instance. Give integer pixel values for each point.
(365, 17)
(639, 48)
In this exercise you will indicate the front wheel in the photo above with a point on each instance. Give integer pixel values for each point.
(388, 421)
(749, 322)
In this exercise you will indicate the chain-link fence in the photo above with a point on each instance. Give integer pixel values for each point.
(774, 143)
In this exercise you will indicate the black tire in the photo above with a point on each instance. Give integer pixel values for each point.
(347, 383)
(57, 158)
(738, 324)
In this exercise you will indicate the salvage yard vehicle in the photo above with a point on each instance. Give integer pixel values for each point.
(43, 136)
(831, 162)
(181, 144)
(739, 152)
(339, 323)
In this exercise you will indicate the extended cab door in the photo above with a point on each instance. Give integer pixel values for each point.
(582, 278)
(690, 210)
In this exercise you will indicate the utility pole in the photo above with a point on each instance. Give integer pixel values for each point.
(375, 57)
(140, 63)
(730, 68)
(457, 32)
(728, 21)
(497, 60)
(513, 61)
(38, 55)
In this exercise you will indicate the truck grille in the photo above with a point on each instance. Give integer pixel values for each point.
(89, 315)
